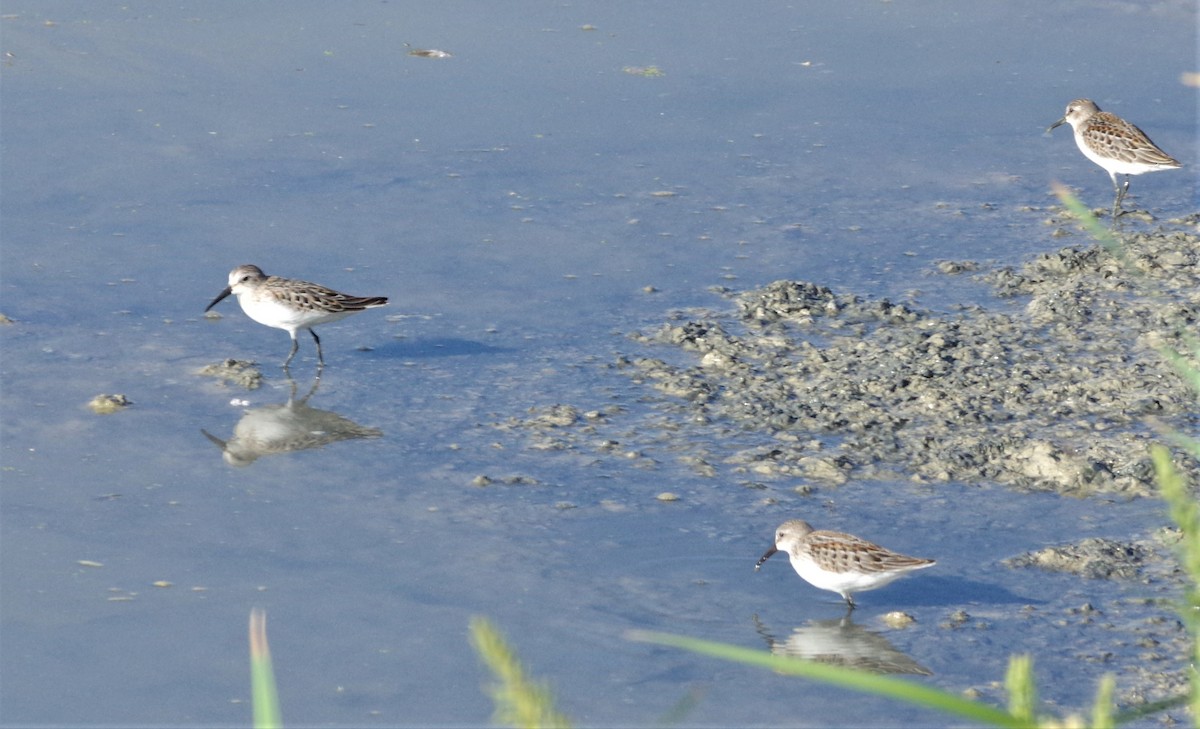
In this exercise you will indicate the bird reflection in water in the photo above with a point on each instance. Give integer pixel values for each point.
(842, 643)
(292, 426)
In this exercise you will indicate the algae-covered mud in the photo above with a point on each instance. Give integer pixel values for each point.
(1064, 392)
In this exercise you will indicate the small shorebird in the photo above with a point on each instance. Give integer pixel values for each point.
(838, 562)
(1114, 144)
(286, 303)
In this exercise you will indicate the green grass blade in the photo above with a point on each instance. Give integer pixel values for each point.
(1184, 443)
(1022, 691)
(1102, 709)
(520, 702)
(262, 675)
(1129, 716)
(1094, 227)
(1183, 367)
(1185, 512)
(886, 686)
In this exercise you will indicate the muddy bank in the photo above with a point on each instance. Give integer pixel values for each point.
(1098, 558)
(1063, 394)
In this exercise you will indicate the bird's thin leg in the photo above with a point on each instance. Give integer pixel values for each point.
(850, 602)
(1119, 191)
(320, 357)
(295, 346)
(1116, 195)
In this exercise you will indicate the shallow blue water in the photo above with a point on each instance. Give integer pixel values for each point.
(508, 200)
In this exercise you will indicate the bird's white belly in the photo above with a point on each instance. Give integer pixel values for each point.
(272, 313)
(840, 582)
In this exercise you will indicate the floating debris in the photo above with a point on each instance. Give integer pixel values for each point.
(644, 71)
(667, 496)
(108, 404)
(236, 371)
(898, 620)
(551, 416)
(429, 53)
(89, 563)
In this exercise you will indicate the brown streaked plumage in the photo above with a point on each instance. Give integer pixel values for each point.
(291, 304)
(1114, 144)
(839, 562)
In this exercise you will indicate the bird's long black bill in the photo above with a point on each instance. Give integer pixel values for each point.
(213, 439)
(1056, 125)
(765, 557)
(217, 300)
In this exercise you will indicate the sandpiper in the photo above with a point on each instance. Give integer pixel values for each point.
(286, 303)
(838, 562)
(1114, 144)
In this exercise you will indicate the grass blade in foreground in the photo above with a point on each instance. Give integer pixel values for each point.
(519, 701)
(1102, 235)
(1022, 692)
(1185, 512)
(1102, 709)
(262, 675)
(894, 688)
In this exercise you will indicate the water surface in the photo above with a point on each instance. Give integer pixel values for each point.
(526, 204)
